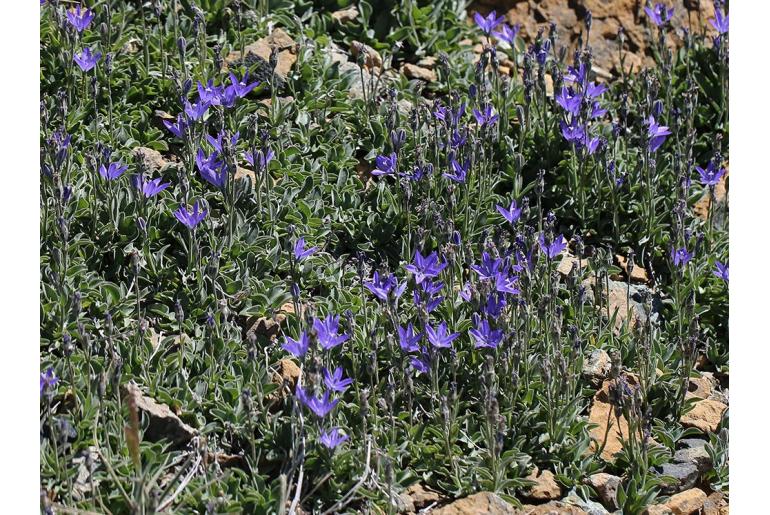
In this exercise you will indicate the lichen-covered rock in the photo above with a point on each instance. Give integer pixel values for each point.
(606, 486)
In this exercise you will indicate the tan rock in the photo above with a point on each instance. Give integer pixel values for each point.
(267, 326)
(701, 387)
(412, 71)
(483, 502)
(568, 261)
(715, 504)
(550, 508)
(638, 274)
(604, 8)
(421, 497)
(373, 57)
(545, 488)
(164, 424)
(150, 159)
(428, 62)
(705, 415)
(606, 486)
(687, 502)
(263, 47)
(603, 414)
(346, 15)
(657, 509)
(288, 372)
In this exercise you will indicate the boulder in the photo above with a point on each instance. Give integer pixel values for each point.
(545, 488)
(606, 486)
(482, 502)
(704, 415)
(596, 367)
(685, 476)
(412, 71)
(164, 424)
(344, 16)
(687, 502)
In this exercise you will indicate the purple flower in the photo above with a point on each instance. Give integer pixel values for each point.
(209, 94)
(242, 87)
(439, 336)
(722, 271)
(113, 171)
(591, 144)
(228, 97)
(722, 21)
(553, 248)
(595, 90)
(569, 100)
(196, 111)
(327, 332)
(576, 75)
(659, 14)
(485, 336)
(78, 18)
(386, 165)
(48, 380)
(710, 176)
(504, 283)
(382, 287)
(485, 116)
(680, 257)
(494, 306)
(177, 129)
(425, 267)
(421, 363)
(597, 111)
(465, 292)
(459, 171)
(258, 159)
(297, 348)
(407, 339)
(320, 406)
(489, 267)
(217, 142)
(508, 34)
(489, 23)
(421, 171)
(336, 382)
(656, 134)
(211, 169)
(190, 218)
(86, 60)
(427, 294)
(300, 252)
(153, 187)
(572, 132)
(333, 438)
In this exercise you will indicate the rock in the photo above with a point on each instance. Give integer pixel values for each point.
(421, 497)
(697, 456)
(657, 509)
(602, 414)
(550, 508)
(701, 387)
(723, 397)
(263, 47)
(428, 62)
(606, 486)
(638, 274)
(482, 502)
(715, 504)
(226, 461)
(132, 46)
(373, 59)
(705, 415)
(164, 424)
(626, 302)
(545, 488)
(346, 15)
(412, 71)
(86, 462)
(596, 367)
(568, 261)
(687, 502)
(685, 475)
(288, 373)
(267, 326)
(150, 159)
